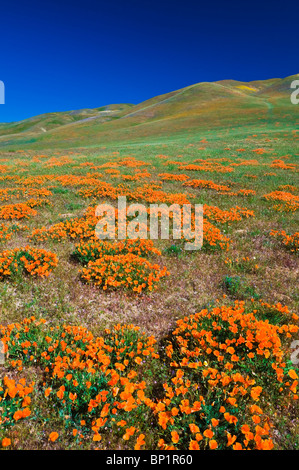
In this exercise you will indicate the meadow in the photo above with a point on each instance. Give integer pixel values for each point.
(141, 344)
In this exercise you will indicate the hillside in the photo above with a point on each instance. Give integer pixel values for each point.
(207, 105)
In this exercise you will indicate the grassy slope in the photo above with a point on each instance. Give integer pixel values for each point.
(199, 107)
(46, 122)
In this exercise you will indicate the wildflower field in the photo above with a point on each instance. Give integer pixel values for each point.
(140, 344)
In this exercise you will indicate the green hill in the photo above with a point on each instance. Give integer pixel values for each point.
(207, 105)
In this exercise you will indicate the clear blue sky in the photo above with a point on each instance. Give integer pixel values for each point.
(69, 54)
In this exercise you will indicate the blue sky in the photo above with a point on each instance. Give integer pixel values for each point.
(68, 54)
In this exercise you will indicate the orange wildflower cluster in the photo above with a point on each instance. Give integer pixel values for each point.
(10, 178)
(289, 206)
(61, 161)
(290, 202)
(223, 216)
(6, 231)
(130, 177)
(282, 165)
(90, 165)
(222, 189)
(128, 271)
(139, 175)
(37, 202)
(94, 175)
(4, 168)
(244, 192)
(150, 194)
(15, 399)
(250, 176)
(217, 359)
(259, 151)
(94, 249)
(173, 177)
(131, 162)
(15, 193)
(34, 261)
(290, 241)
(217, 368)
(213, 160)
(163, 157)
(37, 158)
(207, 184)
(17, 211)
(213, 238)
(112, 171)
(38, 180)
(247, 163)
(147, 193)
(277, 313)
(109, 164)
(128, 162)
(5, 194)
(206, 165)
(75, 228)
(76, 180)
(289, 188)
(93, 381)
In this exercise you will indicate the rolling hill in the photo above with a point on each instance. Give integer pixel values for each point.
(207, 105)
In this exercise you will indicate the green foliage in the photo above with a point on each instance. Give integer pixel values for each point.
(238, 288)
(57, 190)
(232, 284)
(173, 250)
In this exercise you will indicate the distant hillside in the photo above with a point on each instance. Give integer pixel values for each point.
(224, 103)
